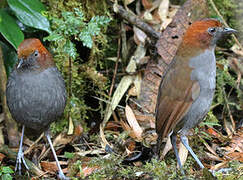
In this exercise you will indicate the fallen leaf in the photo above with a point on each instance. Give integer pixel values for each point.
(147, 4)
(219, 165)
(163, 9)
(2, 156)
(139, 36)
(131, 145)
(70, 126)
(213, 157)
(51, 167)
(127, 2)
(167, 148)
(86, 171)
(236, 49)
(90, 152)
(132, 91)
(183, 153)
(62, 139)
(236, 156)
(78, 130)
(133, 123)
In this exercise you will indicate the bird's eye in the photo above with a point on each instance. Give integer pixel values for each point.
(36, 53)
(211, 30)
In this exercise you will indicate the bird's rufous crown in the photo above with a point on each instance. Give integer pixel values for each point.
(197, 34)
(28, 46)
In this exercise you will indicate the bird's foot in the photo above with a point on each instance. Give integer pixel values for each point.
(62, 176)
(19, 160)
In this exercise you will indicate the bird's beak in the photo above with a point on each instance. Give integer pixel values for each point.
(228, 30)
(20, 63)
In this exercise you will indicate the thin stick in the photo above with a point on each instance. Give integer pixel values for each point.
(230, 114)
(224, 22)
(116, 66)
(34, 144)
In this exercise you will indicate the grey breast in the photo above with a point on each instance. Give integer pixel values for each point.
(204, 72)
(36, 99)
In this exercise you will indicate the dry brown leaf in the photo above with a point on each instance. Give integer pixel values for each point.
(113, 125)
(2, 156)
(78, 130)
(219, 165)
(103, 141)
(165, 23)
(236, 143)
(128, 151)
(210, 149)
(139, 36)
(51, 167)
(228, 128)
(147, 16)
(126, 2)
(167, 148)
(135, 90)
(70, 126)
(150, 138)
(133, 123)
(131, 145)
(147, 4)
(213, 157)
(183, 153)
(156, 17)
(132, 91)
(235, 48)
(236, 156)
(163, 10)
(62, 139)
(127, 128)
(86, 171)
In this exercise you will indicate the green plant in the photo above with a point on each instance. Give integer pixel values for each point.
(69, 28)
(5, 173)
(21, 13)
(73, 24)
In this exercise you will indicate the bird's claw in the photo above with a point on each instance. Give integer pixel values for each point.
(19, 160)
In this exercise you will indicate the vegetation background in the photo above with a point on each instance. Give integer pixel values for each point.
(104, 58)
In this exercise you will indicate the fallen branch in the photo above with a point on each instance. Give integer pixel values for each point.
(133, 19)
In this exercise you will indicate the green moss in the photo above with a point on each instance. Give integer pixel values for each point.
(76, 28)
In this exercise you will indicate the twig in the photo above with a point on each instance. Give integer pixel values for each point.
(230, 114)
(33, 145)
(87, 144)
(108, 102)
(116, 66)
(70, 123)
(224, 22)
(133, 19)
(124, 49)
